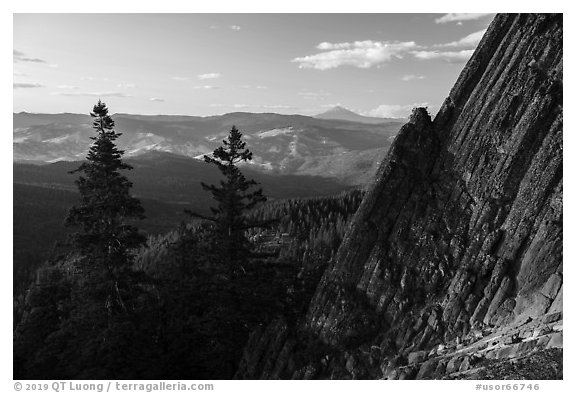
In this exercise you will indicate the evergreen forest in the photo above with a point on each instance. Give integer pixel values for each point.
(113, 303)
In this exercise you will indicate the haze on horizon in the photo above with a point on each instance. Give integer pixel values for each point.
(377, 65)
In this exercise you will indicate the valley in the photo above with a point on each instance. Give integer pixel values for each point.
(166, 183)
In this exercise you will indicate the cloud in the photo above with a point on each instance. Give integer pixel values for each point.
(18, 73)
(331, 46)
(231, 27)
(125, 85)
(394, 111)
(255, 106)
(212, 75)
(277, 106)
(180, 78)
(20, 57)
(449, 57)
(466, 44)
(410, 77)
(157, 99)
(446, 18)
(311, 95)
(93, 94)
(24, 85)
(470, 41)
(92, 78)
(367, 54)
(206, 87)
(257, 87)
(361, 54)
(67, 87)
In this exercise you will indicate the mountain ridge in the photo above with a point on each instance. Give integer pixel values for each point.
(285, 144)
(340, 113)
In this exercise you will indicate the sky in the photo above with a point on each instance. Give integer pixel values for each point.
(205, 64)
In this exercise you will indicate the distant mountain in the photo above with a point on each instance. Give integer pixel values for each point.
(283, 144)
(341, 113)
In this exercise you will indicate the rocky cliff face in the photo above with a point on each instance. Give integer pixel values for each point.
(455, 254)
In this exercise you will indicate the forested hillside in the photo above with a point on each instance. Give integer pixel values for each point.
(279, 262)
(192, 318)
(167, 184)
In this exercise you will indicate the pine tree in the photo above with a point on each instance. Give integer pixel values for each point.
(106, 239)
(234, 199)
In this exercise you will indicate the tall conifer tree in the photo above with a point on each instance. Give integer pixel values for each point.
(234, 198)
(105, 209)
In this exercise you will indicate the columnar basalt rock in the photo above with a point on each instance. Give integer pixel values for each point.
(461, 230)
